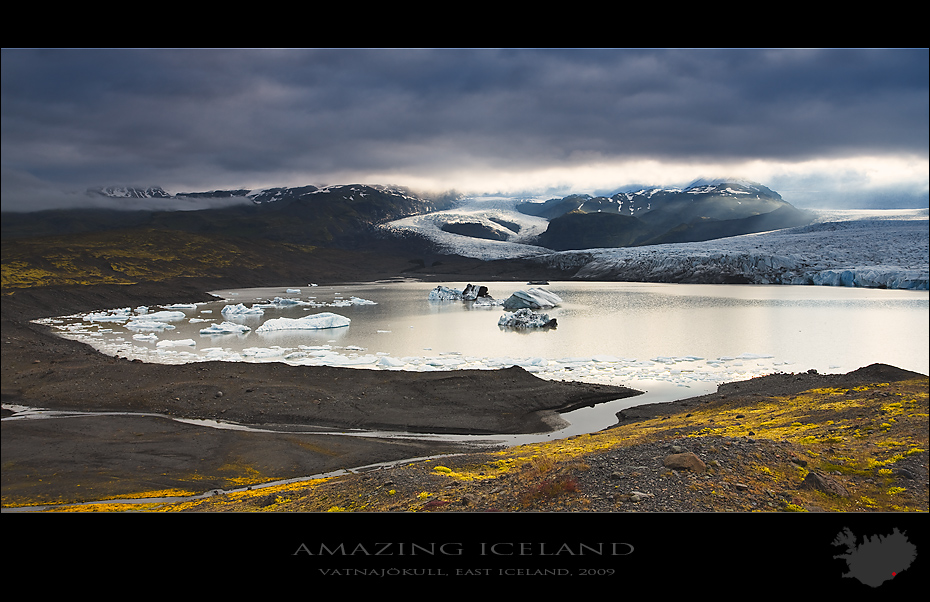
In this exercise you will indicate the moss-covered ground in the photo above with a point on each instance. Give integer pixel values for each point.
(859, 436)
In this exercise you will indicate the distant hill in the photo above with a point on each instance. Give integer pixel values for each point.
(329, 216)
(704, 210)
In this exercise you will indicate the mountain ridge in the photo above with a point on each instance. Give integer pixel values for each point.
(350, 215)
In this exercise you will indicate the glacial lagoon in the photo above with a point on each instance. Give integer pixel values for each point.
(687, 336)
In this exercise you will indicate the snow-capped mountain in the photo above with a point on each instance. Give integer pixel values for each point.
(128, 192)
(750, 198)
(258, 196)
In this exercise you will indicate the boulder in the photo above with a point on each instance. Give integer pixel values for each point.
(824, 483)
(685, 461)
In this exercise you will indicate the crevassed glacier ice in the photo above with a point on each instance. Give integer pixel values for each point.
(876, 249)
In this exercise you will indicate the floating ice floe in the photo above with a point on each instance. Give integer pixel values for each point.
(145, 337)
(158, 320)
(163, 316)
(114, 315)
(241, 310)
(444, 293)
(178, 343)
(526, 318)
(347, 302)
(280, 302)
(293, 290)
(225, 328)
(314, 322)
(534, 298)
(148, 325)
(472, 292)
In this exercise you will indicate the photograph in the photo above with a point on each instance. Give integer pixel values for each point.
(447, 316)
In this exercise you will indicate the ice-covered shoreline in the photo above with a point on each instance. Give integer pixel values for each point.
(873, 249)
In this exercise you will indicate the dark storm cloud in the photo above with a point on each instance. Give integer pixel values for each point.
(201, 119)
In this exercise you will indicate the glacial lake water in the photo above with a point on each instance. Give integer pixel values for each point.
(686, 336)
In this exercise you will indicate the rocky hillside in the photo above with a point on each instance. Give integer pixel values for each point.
(332, 216)
(705, 210)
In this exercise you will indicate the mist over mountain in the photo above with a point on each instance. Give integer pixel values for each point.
(332, 215)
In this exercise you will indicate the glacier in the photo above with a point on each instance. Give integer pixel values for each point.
(856, 248)
(862, 253)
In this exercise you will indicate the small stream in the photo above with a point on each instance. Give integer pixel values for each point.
(581, 421)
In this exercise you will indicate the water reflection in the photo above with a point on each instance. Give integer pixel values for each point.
(607, 332)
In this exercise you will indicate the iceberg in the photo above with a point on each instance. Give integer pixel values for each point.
(155, 321)
(526, 318)
(145, 337)
(314, 322)
(163, 316)
(225, 328)
(472, 292)
(390, 362)
(444, 293)
(241, 310)
(148, 325)
(180, 343)
(116, 315)
(534, 298)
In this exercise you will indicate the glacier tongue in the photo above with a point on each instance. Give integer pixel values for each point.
(868, 253)
(864, 248)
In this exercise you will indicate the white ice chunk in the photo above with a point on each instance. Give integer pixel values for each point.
(390, 362)
(280, 302)
(114, 315)
(225, 328)
(525, 318)
(314, 322)
(241, 310)
(444, 293)
(534, 298)
(148, 325)
(163, 316)
(178, 343)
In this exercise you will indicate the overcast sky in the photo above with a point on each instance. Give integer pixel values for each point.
(825, 128)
